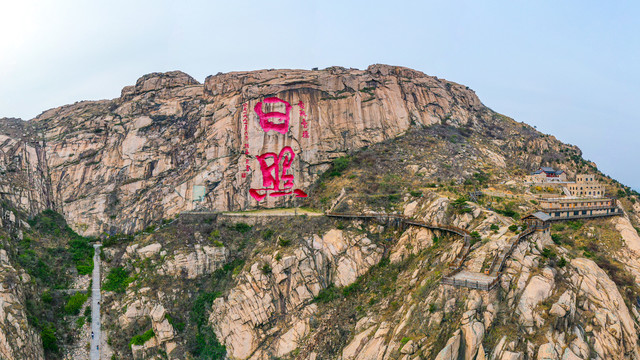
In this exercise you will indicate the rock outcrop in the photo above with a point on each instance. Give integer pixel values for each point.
(18, 340)
(286, 289)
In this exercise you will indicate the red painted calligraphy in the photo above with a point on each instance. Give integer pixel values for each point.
(276, 180)
(303, 120)
(281, 120)
(275, 176)
(245, 122)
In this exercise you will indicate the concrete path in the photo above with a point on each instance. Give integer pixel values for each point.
(95, 305)
(272, 212)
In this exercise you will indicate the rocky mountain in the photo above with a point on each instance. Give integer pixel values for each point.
(117, 166)
(295, 284)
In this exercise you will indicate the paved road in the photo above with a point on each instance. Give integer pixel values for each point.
(95, 305)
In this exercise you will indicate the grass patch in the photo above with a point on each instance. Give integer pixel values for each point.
(562, 262)
(475, 237)
(142, 338)
(176, 323)
(575, 225)
(339, 166)
(548, 253)
(205, 344)
(557, 238)
(51, 223)
(74, 304)
(327, 294)
(117, 280)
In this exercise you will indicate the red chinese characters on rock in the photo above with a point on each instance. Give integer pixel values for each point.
(245, 123)
(276, 180)
(303, 121)
(265, 119)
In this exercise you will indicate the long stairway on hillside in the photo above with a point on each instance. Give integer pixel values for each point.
(474, 280)
(95, 306)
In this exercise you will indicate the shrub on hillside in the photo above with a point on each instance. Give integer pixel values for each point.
(117, 280)
(242, 227)
(142, 338)
(459, 205)
(204, 344)
(74, 304)
(49, 339)
(475, 237)
(339, 165)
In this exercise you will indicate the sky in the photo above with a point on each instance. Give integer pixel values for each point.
(570, 68)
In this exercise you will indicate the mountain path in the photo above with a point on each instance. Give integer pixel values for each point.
(95, 305)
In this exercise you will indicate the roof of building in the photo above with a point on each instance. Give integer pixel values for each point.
(547, 170)
(539, 215)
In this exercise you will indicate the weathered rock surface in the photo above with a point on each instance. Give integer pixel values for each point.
(335, 257)
(18, 340)
(137, 308)
(201, 261)
(538, 289)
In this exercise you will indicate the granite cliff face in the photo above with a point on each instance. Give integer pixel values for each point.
(117, 165)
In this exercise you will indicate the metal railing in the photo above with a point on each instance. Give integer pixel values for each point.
(494, 269)
(568, 216)
(404, 219)
(454, 267)
(585, 208)
(504, 255)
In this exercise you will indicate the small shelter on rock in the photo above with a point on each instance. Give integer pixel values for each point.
(538, 220)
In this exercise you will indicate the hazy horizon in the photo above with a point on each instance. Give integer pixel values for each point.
(570, 69)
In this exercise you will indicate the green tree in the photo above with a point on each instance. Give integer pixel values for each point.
(49, 339)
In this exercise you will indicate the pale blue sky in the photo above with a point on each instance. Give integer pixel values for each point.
(571, 68)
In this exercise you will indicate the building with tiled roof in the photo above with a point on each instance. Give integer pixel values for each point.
(547, 175)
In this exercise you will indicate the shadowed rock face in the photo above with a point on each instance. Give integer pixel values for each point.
(18, 340)
(116, 165)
